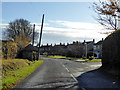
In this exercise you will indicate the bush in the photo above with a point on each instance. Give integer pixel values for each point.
(9, 49)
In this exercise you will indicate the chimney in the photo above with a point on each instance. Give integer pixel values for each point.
(84, 41)
(73, 42)
(93, 40)
(102, 39)
(67, 43)
(60, 43)
(76, 42)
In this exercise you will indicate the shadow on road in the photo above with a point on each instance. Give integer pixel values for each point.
(97, 79)
(56, 84)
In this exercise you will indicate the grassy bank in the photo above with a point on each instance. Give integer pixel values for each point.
(73, 58)
(15, 70)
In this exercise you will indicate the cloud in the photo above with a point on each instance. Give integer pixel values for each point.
(3, 26)
(76, 30)
(80, 25)
(39, 24)
(49, 0)
(65, 30)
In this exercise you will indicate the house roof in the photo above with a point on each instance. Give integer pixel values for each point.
(99, 43)
(30, 48)
(87, 42)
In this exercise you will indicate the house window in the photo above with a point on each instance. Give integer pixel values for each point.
(94, 47)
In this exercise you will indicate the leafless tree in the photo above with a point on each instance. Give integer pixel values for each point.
(21, 32)
(108, 13)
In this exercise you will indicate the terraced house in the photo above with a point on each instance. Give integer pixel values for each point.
(75, 49)
(98, 49)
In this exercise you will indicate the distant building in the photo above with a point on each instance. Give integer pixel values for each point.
(75, 49)
(30, 52)
(88, 48)
(46, 49)
(58, 49)
(98, 48)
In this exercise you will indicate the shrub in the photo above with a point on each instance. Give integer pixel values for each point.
(9, 49)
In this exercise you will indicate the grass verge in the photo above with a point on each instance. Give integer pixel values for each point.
(15, 70)
(94, 60)
(73, 58)
(62, 57)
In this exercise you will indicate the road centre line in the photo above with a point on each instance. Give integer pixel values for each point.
(74, 77)
(70, 73)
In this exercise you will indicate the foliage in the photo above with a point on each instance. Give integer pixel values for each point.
(20, 31)
(22, 41)
(15, 70)
(108, 13)
(18, 27)
(9, 49)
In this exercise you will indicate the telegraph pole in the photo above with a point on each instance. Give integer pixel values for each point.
(40, 36)
(33, 34)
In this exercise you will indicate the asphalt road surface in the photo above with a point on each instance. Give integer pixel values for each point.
(60, 73)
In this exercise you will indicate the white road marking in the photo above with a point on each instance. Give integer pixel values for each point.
(67, 70)
(63, 65)
(70, 73)
(74, 77)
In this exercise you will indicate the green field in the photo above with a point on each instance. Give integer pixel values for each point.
(15, 70)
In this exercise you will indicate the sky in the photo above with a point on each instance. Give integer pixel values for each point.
(64, 22)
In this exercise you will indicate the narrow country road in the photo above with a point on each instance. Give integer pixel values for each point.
(60, 73)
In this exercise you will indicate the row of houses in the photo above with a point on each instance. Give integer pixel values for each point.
(76, 49)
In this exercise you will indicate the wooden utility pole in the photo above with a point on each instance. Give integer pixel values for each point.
(33, 34)
(40, 36)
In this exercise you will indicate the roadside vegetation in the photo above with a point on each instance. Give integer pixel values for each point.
(15, 70)
(94, 60)
(73, 58)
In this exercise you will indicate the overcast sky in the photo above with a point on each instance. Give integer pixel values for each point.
(64, 21)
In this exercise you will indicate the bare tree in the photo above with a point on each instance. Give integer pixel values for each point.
(21, 32)
(108, 13)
